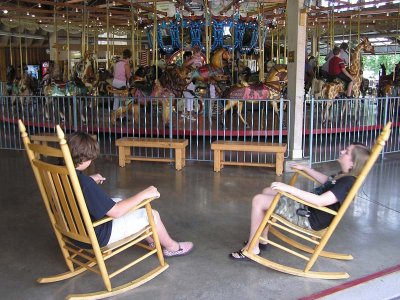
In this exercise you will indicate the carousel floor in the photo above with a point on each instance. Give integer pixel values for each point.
(212, 210)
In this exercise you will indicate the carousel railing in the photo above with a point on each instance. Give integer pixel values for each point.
(326, 132)
(158, 118)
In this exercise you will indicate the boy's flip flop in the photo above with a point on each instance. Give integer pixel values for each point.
(184, 248)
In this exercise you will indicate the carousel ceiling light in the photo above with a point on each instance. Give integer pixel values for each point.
(5, 11)
(40, 5)
(27, 13)
(33, 16)
(97, 18)
(76, 10)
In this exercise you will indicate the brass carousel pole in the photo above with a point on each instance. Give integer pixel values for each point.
(182, 45)
(272, 44)
(260, 44)
(108, 36)
(285, 46)
(233, 51)
(278, 41)
(11, 54)
(26, 50)
(83, 35)
(20, 42)
(68, 45)
(113, 40)
(207, 29)
(153, 58)
(351, 23)
(133, 46)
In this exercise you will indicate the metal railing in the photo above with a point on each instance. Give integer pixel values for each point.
(331, 125)
(326, 130)
(153, 117)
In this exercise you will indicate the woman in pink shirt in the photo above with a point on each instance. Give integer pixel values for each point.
(122, 73)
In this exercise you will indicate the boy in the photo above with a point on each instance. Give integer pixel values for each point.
(337, 69)
(84, 149)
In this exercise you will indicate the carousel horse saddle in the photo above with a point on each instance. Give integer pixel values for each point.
(60, 84)
(120, 91)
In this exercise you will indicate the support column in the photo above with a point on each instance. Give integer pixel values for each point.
(297, 21)
(314, 43)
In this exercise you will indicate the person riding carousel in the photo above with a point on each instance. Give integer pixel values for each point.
(193, 60)
(337, 69)
(122, 74)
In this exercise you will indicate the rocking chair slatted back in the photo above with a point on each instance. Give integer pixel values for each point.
(72, 224)
(318, 239)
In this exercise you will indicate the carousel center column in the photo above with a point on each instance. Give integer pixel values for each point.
(296, 22)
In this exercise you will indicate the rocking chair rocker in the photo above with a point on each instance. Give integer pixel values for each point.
(316, 240)
(69, 216)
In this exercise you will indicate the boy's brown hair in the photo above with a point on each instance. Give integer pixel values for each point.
(83, 147)
(336, 50)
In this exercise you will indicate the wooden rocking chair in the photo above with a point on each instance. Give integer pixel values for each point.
(69, 216)
(316, 240)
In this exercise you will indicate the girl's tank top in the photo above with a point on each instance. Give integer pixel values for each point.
(119, 72)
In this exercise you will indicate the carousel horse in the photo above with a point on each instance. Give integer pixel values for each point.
(171, 83)
(104, 80)
(10, 76)
(331, 90)
(389, 84)
(271, 89)
(215, 69)
(22, 90)
(73, 87)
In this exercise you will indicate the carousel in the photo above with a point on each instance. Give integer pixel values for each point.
(228, 81)
(188, 67)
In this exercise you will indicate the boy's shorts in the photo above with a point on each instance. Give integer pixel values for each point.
(128, 224)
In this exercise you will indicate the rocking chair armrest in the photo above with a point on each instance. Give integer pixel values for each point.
(297, 199)
(140, 205)
(304, 174)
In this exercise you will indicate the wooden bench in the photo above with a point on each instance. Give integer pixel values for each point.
(220, 146)
(125, 144)
(49, 137)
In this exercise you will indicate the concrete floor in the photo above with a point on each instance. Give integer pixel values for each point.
(210, 209)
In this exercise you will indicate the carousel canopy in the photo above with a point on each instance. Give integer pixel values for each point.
(331, 21)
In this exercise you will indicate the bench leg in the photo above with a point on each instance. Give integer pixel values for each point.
(121, 155)
(183, 152)
(178, 159)
(217, 160)
(128, 153)
(280, 157)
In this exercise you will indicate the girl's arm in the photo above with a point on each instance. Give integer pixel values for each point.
(322, 178)
(124, 206)
(325, 199)
(127, 71)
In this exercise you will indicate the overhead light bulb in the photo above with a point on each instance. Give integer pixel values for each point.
(40, 5)
(76, 9)
(5, 11)
(27, 13)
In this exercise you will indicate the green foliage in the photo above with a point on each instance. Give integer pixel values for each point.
(373, 62)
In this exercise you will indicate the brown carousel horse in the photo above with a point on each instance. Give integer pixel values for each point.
(331, 90)
(171, 83)
(215, 69)
(22, 90)
(272, 88)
